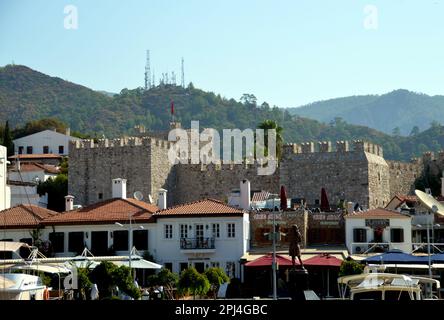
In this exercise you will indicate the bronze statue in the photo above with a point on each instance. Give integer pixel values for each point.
(295, 237)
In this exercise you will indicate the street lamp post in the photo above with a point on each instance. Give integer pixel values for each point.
(130, 241)
(429, 225)
(274, 253)
(274, 234)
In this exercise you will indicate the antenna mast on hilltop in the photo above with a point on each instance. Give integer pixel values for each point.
(147, 71)
(183, 74)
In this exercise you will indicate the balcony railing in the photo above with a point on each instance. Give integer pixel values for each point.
(196, 243)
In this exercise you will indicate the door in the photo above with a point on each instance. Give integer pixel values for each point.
(200, 266)
(199, 235)
(99, 243)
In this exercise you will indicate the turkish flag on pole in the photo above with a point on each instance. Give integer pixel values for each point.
(172, 107)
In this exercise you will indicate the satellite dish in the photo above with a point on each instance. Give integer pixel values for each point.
(431, 203)
(138, 195)
(150, 199)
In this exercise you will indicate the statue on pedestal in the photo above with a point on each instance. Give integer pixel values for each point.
(295, 238)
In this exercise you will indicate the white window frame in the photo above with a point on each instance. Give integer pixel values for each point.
(215, 227)
(183, 231)
(231, 234)
(168, 231)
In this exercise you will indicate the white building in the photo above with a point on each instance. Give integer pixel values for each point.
(44, 142)
(5, 194)
(202, 234)
(17, 223)
(378, 230)
(23, 181)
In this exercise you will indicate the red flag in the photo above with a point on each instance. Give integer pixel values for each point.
(172, 107)
(283, 198)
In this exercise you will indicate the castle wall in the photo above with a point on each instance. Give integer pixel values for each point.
(348, 172)
(354, 171)
(92, 166)
(403, 176)
(195, 181)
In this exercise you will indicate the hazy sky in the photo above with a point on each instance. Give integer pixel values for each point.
(287, 53)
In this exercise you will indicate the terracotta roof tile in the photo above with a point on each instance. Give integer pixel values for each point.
(36, 156)
(35, 166)
(260, 196)
(377, 213)
(407, 198)
(105, 212)
(22, 216)
(201, 207)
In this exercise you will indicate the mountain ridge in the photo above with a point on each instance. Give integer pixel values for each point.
(27, 95)
(399, 108)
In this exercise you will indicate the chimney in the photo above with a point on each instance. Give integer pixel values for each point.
(68, 131)
(350, 207)
(245, 190)
(162, 200)
(119, 188)
(69, 203)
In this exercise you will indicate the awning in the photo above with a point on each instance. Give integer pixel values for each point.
(11, 246)
(43, 268)
(323, 260)
(267, 260)
(139, 264)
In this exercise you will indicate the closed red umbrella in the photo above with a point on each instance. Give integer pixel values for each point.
(266, 261)
(325, 205)
(283, 198)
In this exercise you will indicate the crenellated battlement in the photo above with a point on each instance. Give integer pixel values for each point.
(341, 147)
(225, 166)
(119, 142)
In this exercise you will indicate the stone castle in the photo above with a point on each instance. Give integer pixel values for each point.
(355, 171)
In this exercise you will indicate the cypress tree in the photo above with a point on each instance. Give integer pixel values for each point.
(7, 140)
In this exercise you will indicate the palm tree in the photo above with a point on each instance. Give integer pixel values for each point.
(271, 124)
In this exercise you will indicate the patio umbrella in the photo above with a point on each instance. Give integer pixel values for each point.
(266, 261)
(325, 205)
(324, 260)
(283, 197)
(138, 263)
(438, 258)
(396, 257)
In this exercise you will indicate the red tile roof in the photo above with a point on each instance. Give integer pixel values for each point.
(377, 213)
(36, 156)
(202, 207)
(24, 216)
(406, 198)
(260, 196)
(35, 166)
(106, 212)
